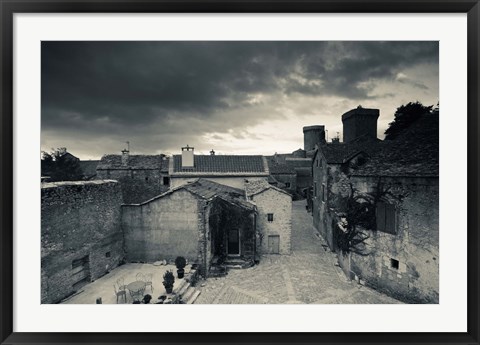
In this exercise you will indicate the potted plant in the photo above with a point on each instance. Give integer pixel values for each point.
(168, 281)
(180, 262)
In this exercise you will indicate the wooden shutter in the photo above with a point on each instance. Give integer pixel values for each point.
(380, 215)
(390, 225)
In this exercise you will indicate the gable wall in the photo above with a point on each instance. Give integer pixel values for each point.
(163, 228)
(280, 204)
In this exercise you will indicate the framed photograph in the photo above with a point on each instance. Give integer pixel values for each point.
(255, 172)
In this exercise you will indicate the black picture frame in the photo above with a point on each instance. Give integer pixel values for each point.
(8, 8)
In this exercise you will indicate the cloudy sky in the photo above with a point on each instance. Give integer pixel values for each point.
(235, 97)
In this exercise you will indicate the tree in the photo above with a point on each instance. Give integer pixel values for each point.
(59, 165)
(405, 115)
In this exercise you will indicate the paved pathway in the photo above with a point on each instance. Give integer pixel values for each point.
(308, 275)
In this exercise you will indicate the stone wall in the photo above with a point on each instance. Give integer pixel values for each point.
(80, 227)
(138, 185)
(163, 228)
(287, 178)
(280, 205)
(404, 265)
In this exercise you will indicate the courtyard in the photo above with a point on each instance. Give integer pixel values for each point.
(309, 275)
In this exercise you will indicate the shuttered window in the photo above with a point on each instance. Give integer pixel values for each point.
(386, 218)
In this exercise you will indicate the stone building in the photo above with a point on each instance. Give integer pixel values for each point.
(284, 175)
(201, 220)
(274, 217)
(142, 177)
(81, 236)
(230, 170)
(400, 255)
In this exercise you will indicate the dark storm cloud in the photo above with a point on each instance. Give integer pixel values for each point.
(115, 87)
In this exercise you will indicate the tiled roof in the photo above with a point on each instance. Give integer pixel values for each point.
(134, 162)
(222, 165)
(258, 186)
(338, 153)
(208, 190)
(415, 152)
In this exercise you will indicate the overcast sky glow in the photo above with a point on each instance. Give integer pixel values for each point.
(235, 97)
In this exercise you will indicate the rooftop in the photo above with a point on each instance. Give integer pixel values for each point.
(221, 165)
(415, 152)
(258, 186)
(111, 161)
(209, 190)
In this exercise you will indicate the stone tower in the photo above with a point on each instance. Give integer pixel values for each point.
(313, 135)
(358, 122)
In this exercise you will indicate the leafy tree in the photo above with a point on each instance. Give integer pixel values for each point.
(405, 115)
(59, 165)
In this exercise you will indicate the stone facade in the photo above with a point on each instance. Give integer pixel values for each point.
(400, 256)
(142, 177)
(163, 228)
(192, 221)
(404, 265)
(82, 238)
(278, 205)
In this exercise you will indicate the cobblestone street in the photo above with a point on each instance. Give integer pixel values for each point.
(308, 275)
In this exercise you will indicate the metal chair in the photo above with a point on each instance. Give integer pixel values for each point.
(121, 283)
(140, 276)
(148, 281)
(120, 293)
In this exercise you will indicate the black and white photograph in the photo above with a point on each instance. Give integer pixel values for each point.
(240, 172)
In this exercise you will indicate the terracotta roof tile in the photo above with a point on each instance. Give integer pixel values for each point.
(224, 164)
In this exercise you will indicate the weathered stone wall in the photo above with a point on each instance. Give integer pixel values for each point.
(280, 204)
(79, 220)
(232, 181)
(415, 246)
(137, 185)
(287, 178)
(163, 228)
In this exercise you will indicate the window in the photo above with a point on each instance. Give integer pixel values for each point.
(386, 218)
(324, 197)
(270, 217)
(146, 178)
(394, 264)
(166, 180)
(287, 184)
(315, 189)
(107, 254)
(318, 160)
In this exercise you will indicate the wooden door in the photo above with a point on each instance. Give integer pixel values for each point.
(274, 244)
(233, 242)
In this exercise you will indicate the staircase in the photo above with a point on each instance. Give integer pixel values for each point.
(187, 292)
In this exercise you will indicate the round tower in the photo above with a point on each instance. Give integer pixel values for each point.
(313, 135)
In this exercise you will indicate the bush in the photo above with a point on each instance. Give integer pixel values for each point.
(180, 262)
(168, 279)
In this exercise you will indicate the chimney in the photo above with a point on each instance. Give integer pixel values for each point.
(212, 153)
(360, 122)
(187, 157)
(125, 155)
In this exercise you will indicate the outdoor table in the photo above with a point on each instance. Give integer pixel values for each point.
(136, 288)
